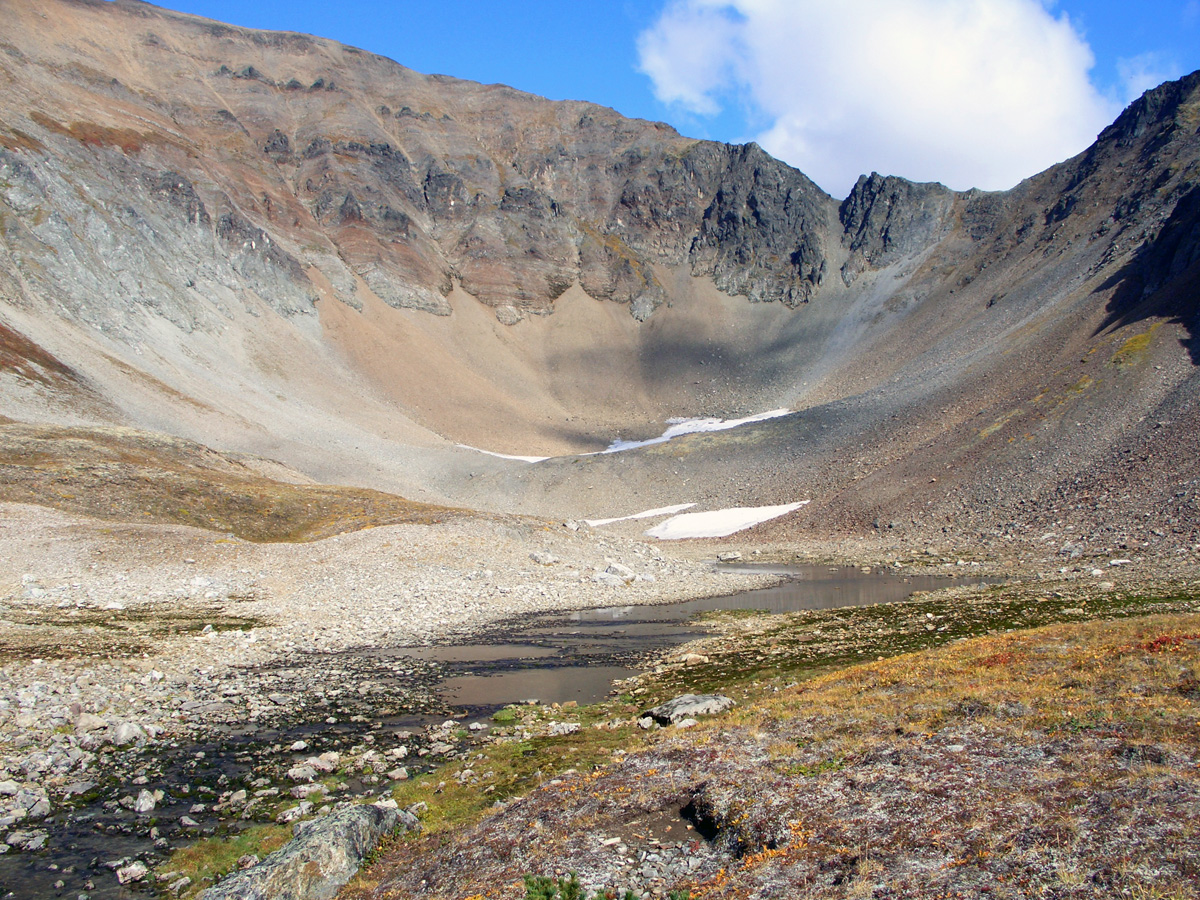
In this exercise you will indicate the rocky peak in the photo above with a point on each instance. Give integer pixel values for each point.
(886, 217)
(764, 233)
(1173, 105)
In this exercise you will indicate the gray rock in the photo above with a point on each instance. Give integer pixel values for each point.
(326, 762)
(607, 578)
(623, 572)
(303, 808)
(322, 857)
(508, 314)
(543, 557)
(87, 722)
(128, 733)
(689, 706)
(728, 556)
(135, 871)
(36, 842)
(26, 840)
(145, 802)
(302, 773)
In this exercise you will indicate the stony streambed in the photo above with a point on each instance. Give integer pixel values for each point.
(307, 732)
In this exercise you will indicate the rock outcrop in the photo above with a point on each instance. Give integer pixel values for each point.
(323, 856)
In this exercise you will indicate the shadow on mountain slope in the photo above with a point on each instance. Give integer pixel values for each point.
(1163, 278)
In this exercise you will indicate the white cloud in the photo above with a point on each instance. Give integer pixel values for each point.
(972, 93)
(1140, 73)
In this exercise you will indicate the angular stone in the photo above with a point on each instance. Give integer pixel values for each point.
(623, 572)
(127, 733)
(689, 706)
(324, 855)
(302, 773)
(135, 871)
(144, 803)
(87, 722)
(291, 815)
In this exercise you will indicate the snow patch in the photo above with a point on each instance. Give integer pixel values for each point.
(719, 522)
(528, 459)
(679, 427)
(647, 514)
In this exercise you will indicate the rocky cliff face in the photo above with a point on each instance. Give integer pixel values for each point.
(279, 160)
(270, 156)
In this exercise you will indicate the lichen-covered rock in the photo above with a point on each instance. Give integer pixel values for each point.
(687, 706)
(323, 856)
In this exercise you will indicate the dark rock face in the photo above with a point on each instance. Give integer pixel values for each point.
(764, 233)
(887, 217)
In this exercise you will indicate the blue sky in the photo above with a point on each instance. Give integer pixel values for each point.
(978, 93)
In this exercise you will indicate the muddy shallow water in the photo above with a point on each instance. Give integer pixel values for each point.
(553, 658)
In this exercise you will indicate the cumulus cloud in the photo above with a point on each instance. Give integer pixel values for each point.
(972, 93)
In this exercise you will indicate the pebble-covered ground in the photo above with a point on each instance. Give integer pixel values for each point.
(121, 643)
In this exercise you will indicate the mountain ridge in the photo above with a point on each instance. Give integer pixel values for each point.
(225, 234)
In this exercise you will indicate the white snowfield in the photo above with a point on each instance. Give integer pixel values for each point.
(678, 428)
(647, 514)
(528, 459)
(681, 427)
(719, 522)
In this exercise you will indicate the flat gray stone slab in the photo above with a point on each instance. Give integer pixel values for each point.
(688, 706)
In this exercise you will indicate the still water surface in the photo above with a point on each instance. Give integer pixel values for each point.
(554, 658)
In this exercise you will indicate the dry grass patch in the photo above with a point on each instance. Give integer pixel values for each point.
(208, 859)
(134, 476)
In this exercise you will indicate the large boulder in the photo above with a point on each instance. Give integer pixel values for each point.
(323, 856)
(688, 706)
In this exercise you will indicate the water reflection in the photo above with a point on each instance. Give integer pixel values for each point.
(555, 658)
